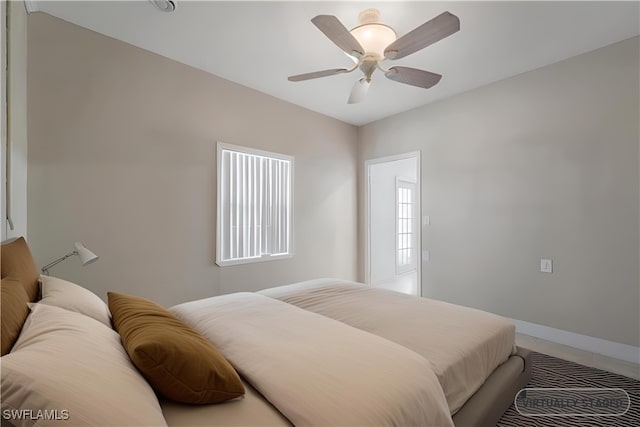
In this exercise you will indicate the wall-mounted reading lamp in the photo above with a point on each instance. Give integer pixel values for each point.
(86, 257)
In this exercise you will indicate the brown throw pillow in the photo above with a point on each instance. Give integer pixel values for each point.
(177, 361)
(14, 311)
(17, 262)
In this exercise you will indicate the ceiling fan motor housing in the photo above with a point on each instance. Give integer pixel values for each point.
(368, 66)
(369, 16)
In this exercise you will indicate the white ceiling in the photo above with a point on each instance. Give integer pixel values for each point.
(259, 44)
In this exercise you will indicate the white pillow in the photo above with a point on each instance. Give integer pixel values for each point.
(67, 295)
(68, 367)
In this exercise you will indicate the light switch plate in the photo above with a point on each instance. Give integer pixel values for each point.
(546, 265)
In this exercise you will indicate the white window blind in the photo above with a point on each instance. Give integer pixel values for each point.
(254, 205)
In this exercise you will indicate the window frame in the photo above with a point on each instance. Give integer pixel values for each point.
(413, 220)
(222, 146)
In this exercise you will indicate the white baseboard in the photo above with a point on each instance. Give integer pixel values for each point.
(613, 349)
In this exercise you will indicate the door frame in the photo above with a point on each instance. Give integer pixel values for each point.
(367, 206)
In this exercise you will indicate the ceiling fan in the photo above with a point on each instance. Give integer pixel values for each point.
(372, 42)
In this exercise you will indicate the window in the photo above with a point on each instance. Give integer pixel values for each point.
(405, 223)
(255, 213)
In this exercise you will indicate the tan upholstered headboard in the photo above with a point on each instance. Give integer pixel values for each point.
(17, 262)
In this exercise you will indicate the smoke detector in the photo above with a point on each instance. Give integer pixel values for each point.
(165, 5)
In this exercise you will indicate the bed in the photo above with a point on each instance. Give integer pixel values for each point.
(323, 352)
(464, 345)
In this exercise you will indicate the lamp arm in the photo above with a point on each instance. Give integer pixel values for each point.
(45, 269)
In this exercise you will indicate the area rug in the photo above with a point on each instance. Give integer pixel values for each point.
(551, 372)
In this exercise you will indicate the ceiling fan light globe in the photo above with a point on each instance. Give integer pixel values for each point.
(359, 91)
(374, 38)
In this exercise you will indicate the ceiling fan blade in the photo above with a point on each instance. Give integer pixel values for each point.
(359, 91)
(426, 34)
(318, 74)
(337, 33)
(413, 76)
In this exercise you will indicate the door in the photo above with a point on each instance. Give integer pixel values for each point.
(393, 233)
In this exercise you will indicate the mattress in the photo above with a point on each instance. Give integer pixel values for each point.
(463, 345)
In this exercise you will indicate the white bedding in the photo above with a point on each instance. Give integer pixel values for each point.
(250, 410)
(318, 371)
(464, 345)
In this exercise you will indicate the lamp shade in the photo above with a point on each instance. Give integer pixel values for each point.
(86, 256)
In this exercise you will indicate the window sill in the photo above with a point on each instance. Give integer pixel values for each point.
(239, 261)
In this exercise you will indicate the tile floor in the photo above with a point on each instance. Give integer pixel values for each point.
(582, 357)
(405, 283)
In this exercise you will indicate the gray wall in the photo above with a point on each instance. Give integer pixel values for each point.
(544, 164)
(122, 146)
